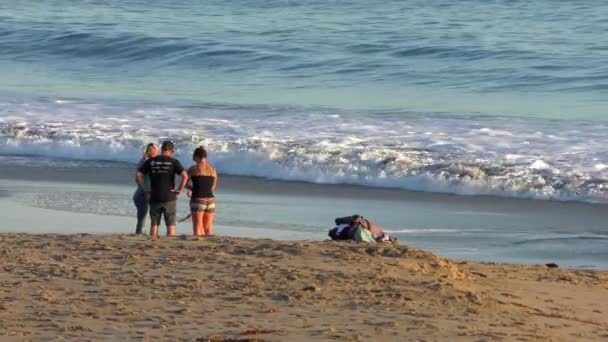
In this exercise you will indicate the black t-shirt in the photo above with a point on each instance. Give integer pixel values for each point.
(162, 171)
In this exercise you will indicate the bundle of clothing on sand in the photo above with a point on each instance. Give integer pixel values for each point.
(358, 228)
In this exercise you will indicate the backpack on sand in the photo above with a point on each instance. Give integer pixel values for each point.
(353, 222)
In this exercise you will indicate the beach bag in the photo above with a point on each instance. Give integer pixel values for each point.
(364, 235)
(343, 234)
(336, 234)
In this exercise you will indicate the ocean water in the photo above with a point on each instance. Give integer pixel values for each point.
(469, 97)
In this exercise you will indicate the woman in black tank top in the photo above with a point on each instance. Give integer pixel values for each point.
(202, 183)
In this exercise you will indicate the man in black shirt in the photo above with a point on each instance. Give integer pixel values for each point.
(162, 193)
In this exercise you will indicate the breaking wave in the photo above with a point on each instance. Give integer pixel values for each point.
(431, 152)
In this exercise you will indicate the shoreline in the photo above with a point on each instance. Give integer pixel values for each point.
(477, 228)
(125, 287)
(118, 173)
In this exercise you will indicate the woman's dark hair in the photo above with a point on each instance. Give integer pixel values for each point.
(199, 153)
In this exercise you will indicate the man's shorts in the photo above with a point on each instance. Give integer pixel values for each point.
(166, 209)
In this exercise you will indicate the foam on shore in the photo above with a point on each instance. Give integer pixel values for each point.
(433, 152)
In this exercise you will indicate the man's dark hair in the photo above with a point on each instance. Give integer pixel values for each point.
(167, 146)
(199, 153)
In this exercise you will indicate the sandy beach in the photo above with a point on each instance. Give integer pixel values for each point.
(118, 287)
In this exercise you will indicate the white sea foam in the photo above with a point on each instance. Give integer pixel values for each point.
(426, 153)
(600, 167)
(540, 165)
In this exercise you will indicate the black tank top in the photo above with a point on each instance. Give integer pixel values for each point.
(202, 186)
(203, 178)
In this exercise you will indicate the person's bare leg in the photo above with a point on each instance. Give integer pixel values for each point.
(197, 223)
(170, 217)
(198, 217)
(194, 225)
(154, 231)
(208, 223)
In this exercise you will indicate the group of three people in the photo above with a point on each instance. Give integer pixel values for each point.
(157, 193)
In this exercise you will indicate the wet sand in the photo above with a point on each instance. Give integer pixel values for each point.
(117, 287)
(95, 197)
(77, 172)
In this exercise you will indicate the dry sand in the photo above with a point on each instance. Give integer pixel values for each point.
(117, 288)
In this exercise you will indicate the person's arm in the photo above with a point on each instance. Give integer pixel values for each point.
(184, 181)
(214, 180)
(189, 183)
(139, 165)
(179, 169)
(140, 174)
(139, 178)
